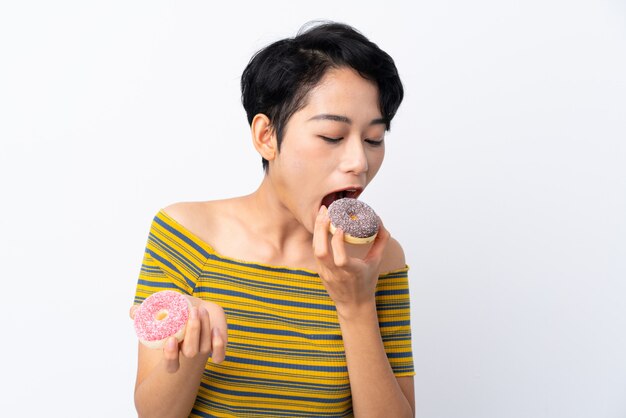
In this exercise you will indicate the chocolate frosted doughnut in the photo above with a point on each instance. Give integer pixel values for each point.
(358, 221)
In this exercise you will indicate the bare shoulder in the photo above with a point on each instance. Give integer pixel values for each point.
(393, 257)
(187, 213)
(198, 217)
(210, 221)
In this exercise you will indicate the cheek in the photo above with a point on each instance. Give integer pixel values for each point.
(308, 155)
(298, 170)
(375, 160)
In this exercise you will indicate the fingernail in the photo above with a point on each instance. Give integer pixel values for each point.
(194, 313)
(171, 343)
(321, 210)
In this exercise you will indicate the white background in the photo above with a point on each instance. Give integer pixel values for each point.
(505, 181)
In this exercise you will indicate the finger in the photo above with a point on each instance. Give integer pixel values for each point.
(380, 242)
(205, 333)
(132, 311)
(219, 332)
(339, 248)
(170, 355)
(320, 235)
(191, 342)
(218, 345)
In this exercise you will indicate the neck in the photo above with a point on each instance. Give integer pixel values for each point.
(275, 221)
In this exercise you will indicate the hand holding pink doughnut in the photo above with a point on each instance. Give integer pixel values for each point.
(160, 316)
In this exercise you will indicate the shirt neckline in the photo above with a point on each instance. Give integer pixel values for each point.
(185, 231)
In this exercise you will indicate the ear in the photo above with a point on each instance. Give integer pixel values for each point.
(264, 137)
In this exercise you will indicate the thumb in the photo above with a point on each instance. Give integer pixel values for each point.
(132, 310)
(380, 242)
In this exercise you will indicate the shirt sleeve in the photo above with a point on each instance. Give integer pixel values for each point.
(164, 265)
(394, 317)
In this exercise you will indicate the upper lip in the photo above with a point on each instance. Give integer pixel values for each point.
(356, 191)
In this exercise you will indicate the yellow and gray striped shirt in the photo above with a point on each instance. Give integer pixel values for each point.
(285, 355)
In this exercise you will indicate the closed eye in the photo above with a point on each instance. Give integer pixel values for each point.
(331, 140)
(375, 142)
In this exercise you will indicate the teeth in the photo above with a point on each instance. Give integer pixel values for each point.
(340, 194)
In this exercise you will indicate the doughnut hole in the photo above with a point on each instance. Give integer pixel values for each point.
(357, 220)
(161, 315)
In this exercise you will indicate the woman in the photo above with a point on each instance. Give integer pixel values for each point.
(288, 320)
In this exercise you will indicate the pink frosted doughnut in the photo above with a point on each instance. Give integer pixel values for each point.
(160, 316)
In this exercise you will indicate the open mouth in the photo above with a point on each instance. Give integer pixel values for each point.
(340, 194)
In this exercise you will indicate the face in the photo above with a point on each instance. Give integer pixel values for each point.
(332, 148)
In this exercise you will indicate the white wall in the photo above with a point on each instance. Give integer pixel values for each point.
(505, 181)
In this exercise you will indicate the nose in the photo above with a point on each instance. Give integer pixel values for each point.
(354, 158)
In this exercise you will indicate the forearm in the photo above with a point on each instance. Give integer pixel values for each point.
(164, 394)
(375, 389)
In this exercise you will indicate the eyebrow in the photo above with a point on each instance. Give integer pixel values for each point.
(345, 119)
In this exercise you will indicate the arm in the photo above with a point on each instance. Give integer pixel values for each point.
(375, 390)
(168, 379)
(351, 283)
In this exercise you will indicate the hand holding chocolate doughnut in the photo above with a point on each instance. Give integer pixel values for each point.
(349, 281)
(358, 221)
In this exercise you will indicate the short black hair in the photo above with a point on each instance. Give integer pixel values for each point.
(278, 78)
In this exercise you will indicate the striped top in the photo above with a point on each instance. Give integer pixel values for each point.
(285, 355)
